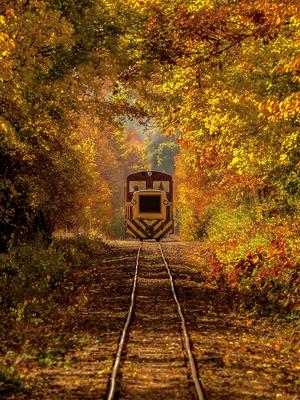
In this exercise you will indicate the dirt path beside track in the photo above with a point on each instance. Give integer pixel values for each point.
(70, 355)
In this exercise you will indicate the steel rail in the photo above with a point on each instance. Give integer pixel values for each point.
(115, 370)
(187, 343)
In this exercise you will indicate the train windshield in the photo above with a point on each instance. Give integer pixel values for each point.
(134, 186)
(162, 185)
(150, 204)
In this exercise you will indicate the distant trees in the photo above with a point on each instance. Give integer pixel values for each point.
(161, 151)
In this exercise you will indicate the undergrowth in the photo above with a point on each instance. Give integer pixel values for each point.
(34, 278)
(254, 263)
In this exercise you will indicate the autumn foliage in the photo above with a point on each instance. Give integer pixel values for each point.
(61, 156)
(221, 77)
(225, 82)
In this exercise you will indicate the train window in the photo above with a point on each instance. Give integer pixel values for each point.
(150, 204)
(134, 186)
(162, 185)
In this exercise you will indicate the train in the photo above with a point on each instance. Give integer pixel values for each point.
(149, 205)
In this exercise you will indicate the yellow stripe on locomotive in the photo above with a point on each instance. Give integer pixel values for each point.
(148, 205)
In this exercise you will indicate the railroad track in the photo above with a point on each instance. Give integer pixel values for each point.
(147, 310)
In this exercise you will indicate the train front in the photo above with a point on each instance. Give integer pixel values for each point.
(149, 205)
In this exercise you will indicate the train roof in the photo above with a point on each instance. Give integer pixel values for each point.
(144, 174)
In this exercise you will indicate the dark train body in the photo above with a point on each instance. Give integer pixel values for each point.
(149, 205)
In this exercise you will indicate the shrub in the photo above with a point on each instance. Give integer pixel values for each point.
(257, 261)
(31, 270)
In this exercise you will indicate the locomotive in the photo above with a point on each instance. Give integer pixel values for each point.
(149, 205)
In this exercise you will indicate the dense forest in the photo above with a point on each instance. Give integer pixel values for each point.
(218, 78)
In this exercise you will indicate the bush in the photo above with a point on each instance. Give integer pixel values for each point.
(79, 248)
(253, 261)
(116, 228)
(9, 379)
(31, 270)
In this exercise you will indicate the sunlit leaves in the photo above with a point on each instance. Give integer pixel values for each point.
(59, 60)
(225, 78)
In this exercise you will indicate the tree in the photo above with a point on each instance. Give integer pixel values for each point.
(58, 60)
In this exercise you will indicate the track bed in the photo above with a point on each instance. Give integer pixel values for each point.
(154, 355)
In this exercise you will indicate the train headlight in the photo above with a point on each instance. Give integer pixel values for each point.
(165, 202)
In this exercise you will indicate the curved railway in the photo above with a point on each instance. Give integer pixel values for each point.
(189, 369)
